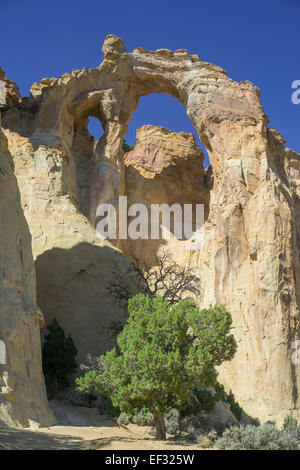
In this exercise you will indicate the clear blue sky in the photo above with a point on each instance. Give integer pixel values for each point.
(257, 40)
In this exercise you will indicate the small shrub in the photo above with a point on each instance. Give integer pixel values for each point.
(143, 418)
(293, 433)
(235, 408)
(140, 416)
(290, 421)
(196, 425)
(264, 437)
(206, 442)
(123, 419)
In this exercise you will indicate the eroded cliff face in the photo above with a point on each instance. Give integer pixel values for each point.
(73, 266)
(246, 253)
(253, 268)
(165, 167)
(243, 255)
(23, 400)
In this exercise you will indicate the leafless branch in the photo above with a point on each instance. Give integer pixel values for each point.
(166, 279)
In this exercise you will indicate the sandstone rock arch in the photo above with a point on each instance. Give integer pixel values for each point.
(111, 93)
(248, 257)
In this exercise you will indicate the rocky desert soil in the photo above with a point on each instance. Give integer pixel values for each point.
(85, 429)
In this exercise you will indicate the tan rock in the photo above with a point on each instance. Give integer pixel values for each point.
(165, 167)
(23, 400)
(11, 90)
(74, 267)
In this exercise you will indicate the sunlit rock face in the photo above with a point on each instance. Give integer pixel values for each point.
(164, 167)
(23, 400)
(246, 253)
(74, 267)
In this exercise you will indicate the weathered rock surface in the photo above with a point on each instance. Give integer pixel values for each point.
(12, 93)
(247, 252)
(73, 266)
(233, 260)
(248, 259)
(23, 400)
(165, 167)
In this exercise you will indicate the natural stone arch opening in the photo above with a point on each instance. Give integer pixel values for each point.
(218, 108)
(110, 182)
(161, 109)
(95, 128)
(165, 168)
(88, 132)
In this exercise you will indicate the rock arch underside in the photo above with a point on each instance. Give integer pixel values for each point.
(247, 254)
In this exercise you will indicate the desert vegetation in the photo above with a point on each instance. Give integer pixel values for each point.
(165, 351)
(58, 358)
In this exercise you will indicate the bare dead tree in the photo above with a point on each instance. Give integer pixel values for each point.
(92, 363)
(170, 280)
(166, 279)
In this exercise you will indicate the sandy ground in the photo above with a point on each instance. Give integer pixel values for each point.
(85, 429)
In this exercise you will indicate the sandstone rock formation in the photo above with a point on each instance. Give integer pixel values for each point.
(247, 252)
(23, 400)
(73, 266)
(140, 167)
(165, 167)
